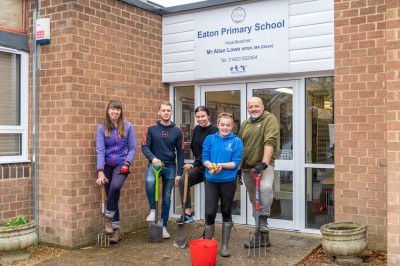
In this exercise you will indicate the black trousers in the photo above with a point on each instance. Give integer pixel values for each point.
(196, 176)
(224, 191)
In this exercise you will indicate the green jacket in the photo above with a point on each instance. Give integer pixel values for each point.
(263, 132)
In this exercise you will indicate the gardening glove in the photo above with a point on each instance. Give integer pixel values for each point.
(156, 162)
(125, 168)
(259, 168)
(239, 177)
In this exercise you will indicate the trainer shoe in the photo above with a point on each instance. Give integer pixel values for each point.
(188, 219)
(152, 216)
(177, 245)
(165, 233)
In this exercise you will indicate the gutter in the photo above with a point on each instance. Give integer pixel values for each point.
(152, 7)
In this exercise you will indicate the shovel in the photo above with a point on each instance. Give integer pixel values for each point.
(182, 230)
(156, 227)
(103, 240)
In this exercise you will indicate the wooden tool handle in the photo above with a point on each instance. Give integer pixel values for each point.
(185, 187)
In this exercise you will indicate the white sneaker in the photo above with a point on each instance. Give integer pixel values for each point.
(165, 233)
(152, 216)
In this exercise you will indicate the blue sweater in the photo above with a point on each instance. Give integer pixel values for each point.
(113, 150)
(166, 144)
(222, 150)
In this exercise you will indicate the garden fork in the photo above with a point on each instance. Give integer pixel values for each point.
(254, 235)
(103, 240)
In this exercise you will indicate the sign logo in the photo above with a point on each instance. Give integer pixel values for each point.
(238, 15)
(238, 69)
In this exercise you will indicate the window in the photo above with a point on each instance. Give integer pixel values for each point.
(12, 15)
(319, 151)
(13, 106)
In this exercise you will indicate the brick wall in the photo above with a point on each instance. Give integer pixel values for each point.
(360, 116)
(15, 191)
(393, 129)
(99, 50)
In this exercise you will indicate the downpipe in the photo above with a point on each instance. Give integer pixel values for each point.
(35, 119)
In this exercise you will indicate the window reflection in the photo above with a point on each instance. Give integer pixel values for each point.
(320, 197)
(319, 120)
(319, 150)
(185, 119)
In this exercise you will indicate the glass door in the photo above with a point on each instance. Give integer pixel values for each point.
(228, 99)
(278, 98)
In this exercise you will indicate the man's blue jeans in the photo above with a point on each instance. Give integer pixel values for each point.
(168, 179)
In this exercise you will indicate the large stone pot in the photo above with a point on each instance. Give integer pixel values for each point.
(345, 240)
(14, 240)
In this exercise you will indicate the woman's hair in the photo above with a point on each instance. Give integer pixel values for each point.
(120, 124)
(225, 116)
(202, 108)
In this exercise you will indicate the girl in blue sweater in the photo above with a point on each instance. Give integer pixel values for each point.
(222, 153)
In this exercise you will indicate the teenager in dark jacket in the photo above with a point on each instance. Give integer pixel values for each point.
(196, 170)
(163, 146)
(115, 148)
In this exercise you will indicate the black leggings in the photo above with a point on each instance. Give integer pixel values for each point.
(196, 176)
(224, 191)
(113, 188)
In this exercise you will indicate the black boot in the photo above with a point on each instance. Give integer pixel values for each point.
(226, 233)
(209, 231)
(259, 240)
(263, 223)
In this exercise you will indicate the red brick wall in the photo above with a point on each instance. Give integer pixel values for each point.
(15, 191)
(360, 116)
(99, 50)
(393, 129)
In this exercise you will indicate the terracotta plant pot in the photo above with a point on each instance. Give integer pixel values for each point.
(17, 238)
(345, 240)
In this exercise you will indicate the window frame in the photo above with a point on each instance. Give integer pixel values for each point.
(23, 127)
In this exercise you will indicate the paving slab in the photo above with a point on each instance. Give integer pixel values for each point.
(288, 248)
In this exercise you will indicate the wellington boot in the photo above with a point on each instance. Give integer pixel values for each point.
(259, 240)
(108, 230)
(263, 223)
(116, 236)
(209, 231)
(226, 234)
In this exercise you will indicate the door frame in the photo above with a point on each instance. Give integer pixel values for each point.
(242, 219)
(285, 165)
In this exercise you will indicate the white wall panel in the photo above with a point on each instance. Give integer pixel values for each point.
(311, 19)
(180, 67)
(184, 26)
(178, 47)
(311, 30)
(178, 37)
(311, 54)
(310, 7)
(311, 40)
(311, 65)
(180, 57)
(177, 76)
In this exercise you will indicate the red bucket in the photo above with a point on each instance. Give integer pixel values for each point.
(203, 252)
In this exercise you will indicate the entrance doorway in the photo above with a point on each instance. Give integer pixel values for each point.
(278, 99)
(228, 99)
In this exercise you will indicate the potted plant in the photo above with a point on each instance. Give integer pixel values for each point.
(16, 235)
